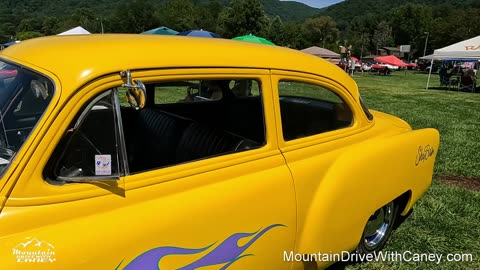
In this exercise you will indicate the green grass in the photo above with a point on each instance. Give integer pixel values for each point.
(447, 219)
(455, 114)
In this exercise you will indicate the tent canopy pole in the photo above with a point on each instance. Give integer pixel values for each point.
(429, 73)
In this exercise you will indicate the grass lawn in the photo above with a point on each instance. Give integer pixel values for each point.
(447, 219)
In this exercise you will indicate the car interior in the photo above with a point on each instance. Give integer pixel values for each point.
(24, 96)
(181, 121)
(205, 123)
(302, 117)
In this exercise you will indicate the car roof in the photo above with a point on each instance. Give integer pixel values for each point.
(77, 59)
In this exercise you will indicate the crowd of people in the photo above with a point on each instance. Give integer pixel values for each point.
(464, 79)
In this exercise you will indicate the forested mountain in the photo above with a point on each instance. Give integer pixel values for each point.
(28, 8)
(423, 24)
(30, 18)
(363, 26)
(289, 10)
(347, 10)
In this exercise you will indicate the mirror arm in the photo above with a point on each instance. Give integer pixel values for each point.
(136, 90)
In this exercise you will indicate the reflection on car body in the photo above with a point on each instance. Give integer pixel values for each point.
(158, 152)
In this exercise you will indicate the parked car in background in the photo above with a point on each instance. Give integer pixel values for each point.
(380, 69)
(426, 65)
(343, 65)
(148, 152)
(366, 66)
(390, 67)
(412, 66)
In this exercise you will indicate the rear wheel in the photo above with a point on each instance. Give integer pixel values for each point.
(378, 229)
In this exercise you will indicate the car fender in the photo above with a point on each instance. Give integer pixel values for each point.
(364, 178)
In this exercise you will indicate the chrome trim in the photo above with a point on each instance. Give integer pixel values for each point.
(121, 144)
(89, 107)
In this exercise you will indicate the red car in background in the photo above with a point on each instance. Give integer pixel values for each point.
(6, 73)
(411, 66)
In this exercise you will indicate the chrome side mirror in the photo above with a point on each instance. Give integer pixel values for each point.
(137, 92)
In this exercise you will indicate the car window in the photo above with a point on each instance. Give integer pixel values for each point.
(309, 109)
(88, 149)
(24, 97)
(245, 88)
(193, 119)
(204, 90)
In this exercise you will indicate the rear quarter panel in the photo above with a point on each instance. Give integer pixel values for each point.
(343, 176)
(362, 178)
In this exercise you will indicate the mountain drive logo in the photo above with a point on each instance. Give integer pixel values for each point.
(34, 251)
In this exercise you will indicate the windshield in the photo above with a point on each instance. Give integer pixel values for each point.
(24, 97)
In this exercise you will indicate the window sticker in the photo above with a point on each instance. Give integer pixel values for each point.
(103, 164)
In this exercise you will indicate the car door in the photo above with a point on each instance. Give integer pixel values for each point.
(318, 123)
(234, 209)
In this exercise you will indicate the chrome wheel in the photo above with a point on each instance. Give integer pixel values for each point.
(379, 227)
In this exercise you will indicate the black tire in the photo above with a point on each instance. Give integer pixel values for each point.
(378, 229)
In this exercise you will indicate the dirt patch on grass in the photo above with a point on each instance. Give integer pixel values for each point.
(471, 183)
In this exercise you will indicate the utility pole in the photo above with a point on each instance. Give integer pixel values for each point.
(101, 23)
(426, 42)
(361, 50)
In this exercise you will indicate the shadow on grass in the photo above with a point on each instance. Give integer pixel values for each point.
(338, 266)
(335, 266)
(469, 183)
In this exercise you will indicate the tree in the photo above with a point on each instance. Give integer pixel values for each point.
(452, 28)
(86, 18)
(321, 31)
(179, 15)
(243, 17)
(28, 35)
(360, 43)
(276, 31)
(7, 25)
(30, 24)
(383, 35)
(293, 36)
(133, 17)
(208, 15)
(409, 23)
(49, 25)
(83, 17)
(359, 33)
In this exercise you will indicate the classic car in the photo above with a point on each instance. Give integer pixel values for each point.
(168, 152)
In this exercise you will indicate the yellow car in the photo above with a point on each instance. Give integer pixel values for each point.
(160, 152)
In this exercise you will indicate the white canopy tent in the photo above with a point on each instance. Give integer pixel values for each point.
(426, 57)
(467, 50)
(75, 31)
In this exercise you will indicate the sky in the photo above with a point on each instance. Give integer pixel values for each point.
(317, 3)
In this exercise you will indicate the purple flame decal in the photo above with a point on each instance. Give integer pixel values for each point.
(228, 250)
(226, 253)
(232, 261)
(151, 258)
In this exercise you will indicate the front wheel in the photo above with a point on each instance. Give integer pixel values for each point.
(378, 229)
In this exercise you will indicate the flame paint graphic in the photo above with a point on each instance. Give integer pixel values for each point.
(227, 252)
(151, 258)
